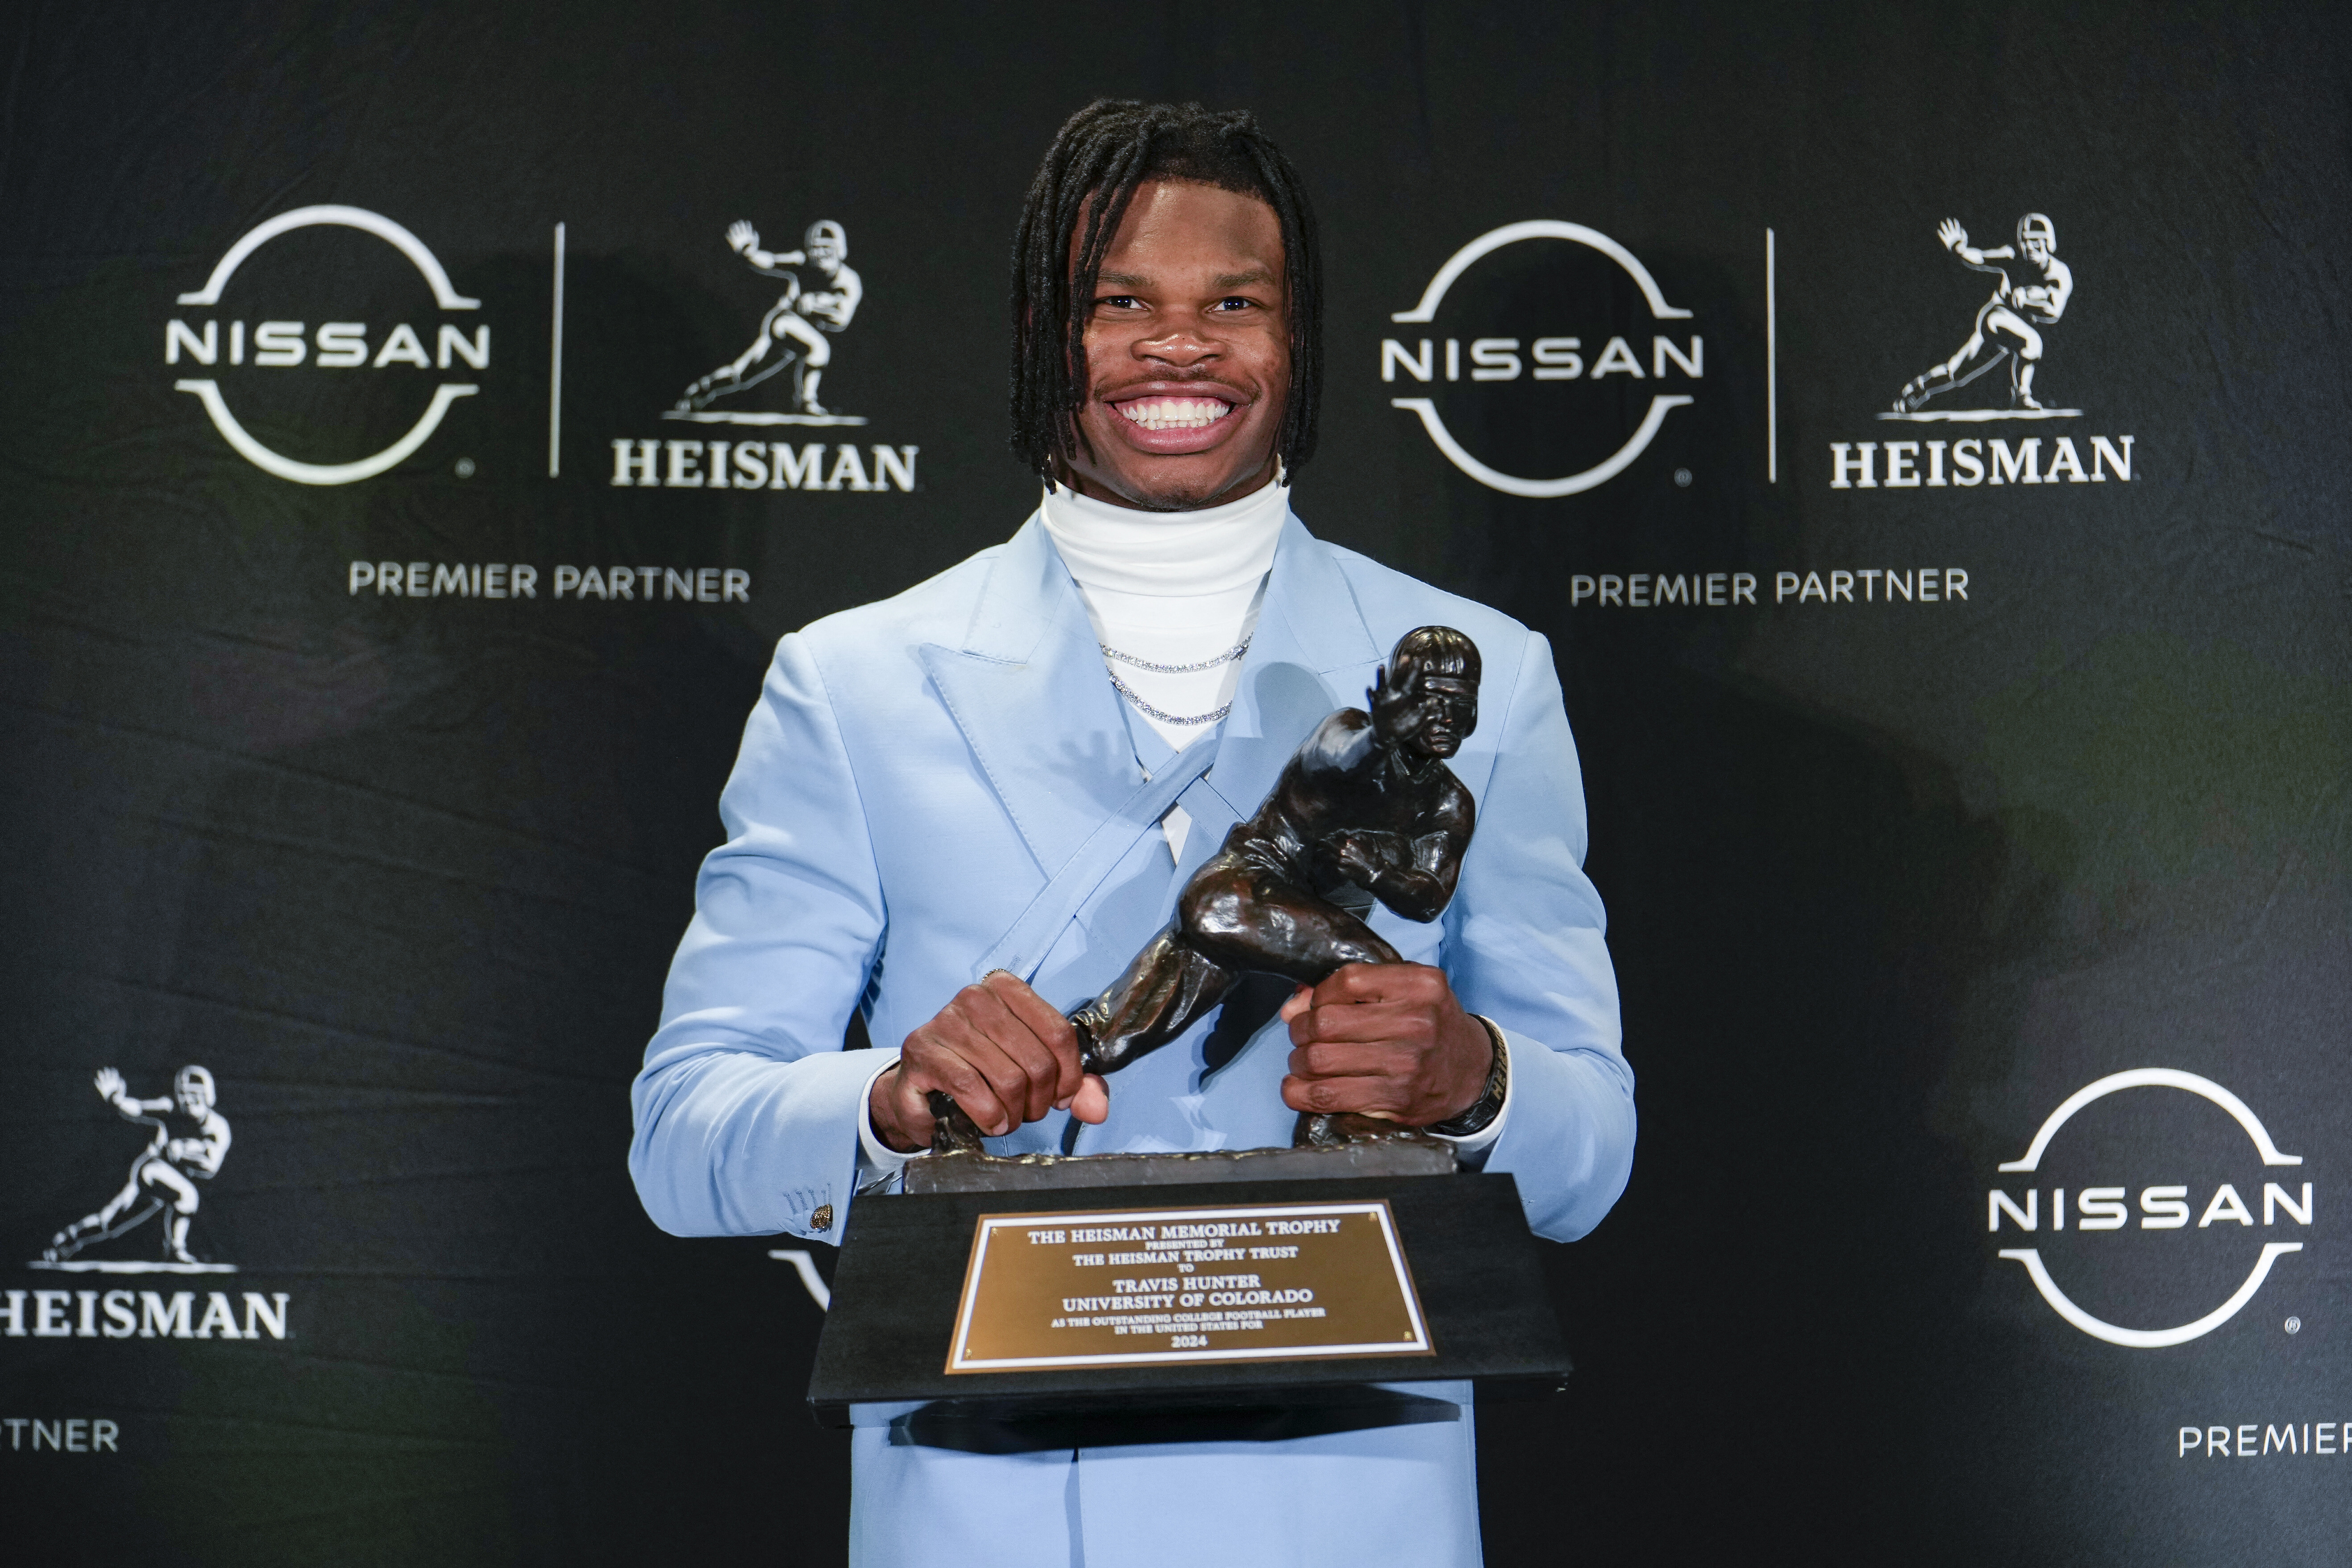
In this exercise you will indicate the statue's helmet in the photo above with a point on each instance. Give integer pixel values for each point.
(195, 1080)
(828, 233)
(2035, 225)
(1431, 650)
(1421, 656)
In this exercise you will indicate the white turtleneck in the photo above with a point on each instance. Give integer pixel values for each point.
(1171, 588)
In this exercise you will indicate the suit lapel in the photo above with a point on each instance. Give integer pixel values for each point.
(1026, 688)
(1311, 653)
(1028, 692)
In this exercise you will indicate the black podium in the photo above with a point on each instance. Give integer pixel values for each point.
(912, 1276)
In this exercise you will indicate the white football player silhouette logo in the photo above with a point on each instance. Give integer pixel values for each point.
(191, 1139)
(797, 327)
(2008, 324)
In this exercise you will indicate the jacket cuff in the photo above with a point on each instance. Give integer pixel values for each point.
(876, 1162)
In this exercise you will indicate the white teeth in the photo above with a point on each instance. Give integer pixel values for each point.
(1175, 412)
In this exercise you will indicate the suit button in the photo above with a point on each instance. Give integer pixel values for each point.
(822, 1218)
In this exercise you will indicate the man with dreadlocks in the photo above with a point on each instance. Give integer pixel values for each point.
(959, 812)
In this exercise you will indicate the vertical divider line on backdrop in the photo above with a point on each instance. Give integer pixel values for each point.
(555, 368)
(1771, 371)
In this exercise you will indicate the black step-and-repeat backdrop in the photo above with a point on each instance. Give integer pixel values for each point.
(1921, 431)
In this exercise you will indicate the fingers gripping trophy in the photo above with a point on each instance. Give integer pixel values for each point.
(1366, 811)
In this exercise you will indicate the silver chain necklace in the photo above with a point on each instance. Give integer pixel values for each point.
(1129, 660)
(1145, 708)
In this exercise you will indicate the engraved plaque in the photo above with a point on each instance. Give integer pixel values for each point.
(1161, 1286)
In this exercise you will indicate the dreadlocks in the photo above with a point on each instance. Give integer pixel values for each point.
(1100, 156)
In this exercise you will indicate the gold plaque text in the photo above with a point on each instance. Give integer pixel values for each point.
(1258, 1282)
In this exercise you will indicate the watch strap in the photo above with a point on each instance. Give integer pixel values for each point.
(1489, 1104)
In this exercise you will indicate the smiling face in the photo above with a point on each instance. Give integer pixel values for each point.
(1188, 352)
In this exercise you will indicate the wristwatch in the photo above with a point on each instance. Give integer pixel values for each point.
(1489, 1104)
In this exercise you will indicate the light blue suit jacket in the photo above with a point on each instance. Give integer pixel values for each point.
(914, 774)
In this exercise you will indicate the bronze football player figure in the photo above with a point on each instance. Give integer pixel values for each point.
(1366, 811)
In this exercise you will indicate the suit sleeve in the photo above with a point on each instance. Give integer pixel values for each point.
(748, 1109)
(1525, 947)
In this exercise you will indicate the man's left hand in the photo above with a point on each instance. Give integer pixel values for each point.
(1388, 1040)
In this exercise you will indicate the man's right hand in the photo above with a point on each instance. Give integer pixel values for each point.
(1004, 1054)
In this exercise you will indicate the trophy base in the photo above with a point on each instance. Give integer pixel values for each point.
(963, 1171)
(912, 1294)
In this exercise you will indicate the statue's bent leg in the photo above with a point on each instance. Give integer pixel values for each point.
(1243, 917)
(1163, 993)
(1167, 988)
(1235, 917)
(1248, 919)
